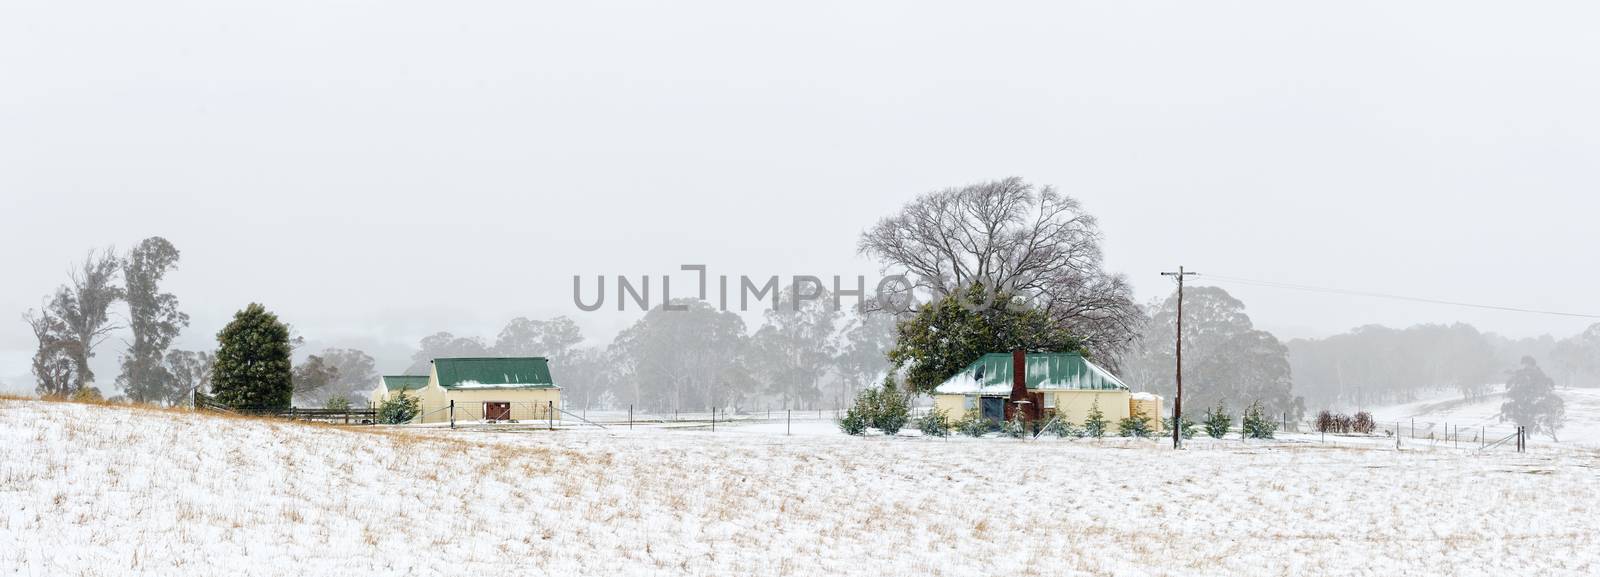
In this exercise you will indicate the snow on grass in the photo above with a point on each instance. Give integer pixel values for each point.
(1582, 409)
(89, 490)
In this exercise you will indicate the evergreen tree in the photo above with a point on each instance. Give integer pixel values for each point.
(252, 368)
(1255, 424)
(1532, 400)
(399, 409)
(1064, 429)
(1095, 424)
(892, 409)
(1187, 430)
(338, 403)
(1014, 427)
(945, 336)
(1134, 425)
(935, 424)
(973, 424)
(1218, 421)
(858, 417)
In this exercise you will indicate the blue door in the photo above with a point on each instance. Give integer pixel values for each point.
(994, 409)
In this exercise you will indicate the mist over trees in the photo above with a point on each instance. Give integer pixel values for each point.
(154, 319)
(1226, 360)
(1532, 401)
(1377, 365)
(73, 321)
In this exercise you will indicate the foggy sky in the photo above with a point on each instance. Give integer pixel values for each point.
(377, 171)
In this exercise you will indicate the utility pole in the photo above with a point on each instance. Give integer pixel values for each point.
(1177, 403)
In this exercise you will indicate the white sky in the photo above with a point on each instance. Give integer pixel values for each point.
(376, 171)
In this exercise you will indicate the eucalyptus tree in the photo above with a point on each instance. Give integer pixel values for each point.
(153, 318)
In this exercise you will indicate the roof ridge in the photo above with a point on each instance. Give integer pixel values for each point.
(485, 358)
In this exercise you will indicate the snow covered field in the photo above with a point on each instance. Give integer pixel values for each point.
(88, 490)
(1582, 407)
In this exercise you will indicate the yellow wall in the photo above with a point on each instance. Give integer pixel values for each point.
(526, 404)
(954, 406)
(1150, 409)
(1073, 406)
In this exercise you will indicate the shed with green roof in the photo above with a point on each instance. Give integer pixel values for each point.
(496, 389)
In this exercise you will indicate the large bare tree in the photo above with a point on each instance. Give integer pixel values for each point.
(1011, 237)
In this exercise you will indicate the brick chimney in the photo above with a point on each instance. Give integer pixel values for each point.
(1019, 375)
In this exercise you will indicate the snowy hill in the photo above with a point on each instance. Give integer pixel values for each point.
(1582, 407)
(89, 490)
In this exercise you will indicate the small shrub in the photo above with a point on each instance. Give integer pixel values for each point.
(1064, 429)
(853, 422)
(1095, 424)
(1217, 422)
(1364, 423)
(399, 410)
(858, 417)
(935, 424)
(1325, 421)
(891, 410)
(337, 403)
(1256, 425)
(1134, 425)
(973, 424)
(1187, 430)
(1014, 427)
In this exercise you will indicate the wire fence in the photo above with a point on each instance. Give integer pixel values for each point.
(1413, 434)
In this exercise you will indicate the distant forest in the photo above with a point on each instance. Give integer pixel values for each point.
(1031, 250)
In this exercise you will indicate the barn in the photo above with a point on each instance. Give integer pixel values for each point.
(482, 389)
(1053, 385)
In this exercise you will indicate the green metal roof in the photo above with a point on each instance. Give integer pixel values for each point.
(991, 374)
(407, 382)
(494, 373)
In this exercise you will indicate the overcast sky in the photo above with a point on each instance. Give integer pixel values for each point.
(377, 171)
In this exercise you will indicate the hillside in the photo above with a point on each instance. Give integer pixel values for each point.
(90, 490)
(1582, 407)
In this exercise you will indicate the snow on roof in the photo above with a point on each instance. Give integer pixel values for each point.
(991, 374)
(478, 385)
(1145, 397)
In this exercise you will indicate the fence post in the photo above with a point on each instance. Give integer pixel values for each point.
(1397, 435)
(630, 417)
(713, 419)
(550, 411)
(452, 413)
(788, 422)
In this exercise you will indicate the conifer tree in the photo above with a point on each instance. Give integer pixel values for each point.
(252, 367)
(1095, 424)
(399, 410)
(1218, 421)
(1134, 425)
(1255, 424)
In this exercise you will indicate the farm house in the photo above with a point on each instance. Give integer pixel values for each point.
(1052, 384)
(491, 388)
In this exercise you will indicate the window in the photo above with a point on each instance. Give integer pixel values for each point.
(1049, 400)
(972, 402)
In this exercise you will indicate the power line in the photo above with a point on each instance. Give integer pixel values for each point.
(1309, 288)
